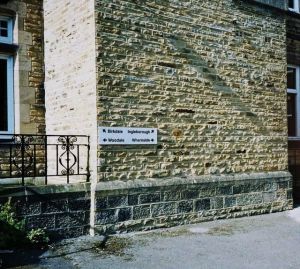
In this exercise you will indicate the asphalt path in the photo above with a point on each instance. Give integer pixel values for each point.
(269, 241)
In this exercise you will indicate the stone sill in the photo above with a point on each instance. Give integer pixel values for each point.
(38, 181)
(18, 190)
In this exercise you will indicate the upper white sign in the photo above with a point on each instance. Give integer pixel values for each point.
(127, 136)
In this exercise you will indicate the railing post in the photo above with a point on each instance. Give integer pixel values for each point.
(88, 161)
(56, 147)
(46, 159)
(68, 158)
(22, 157)
(10, 160)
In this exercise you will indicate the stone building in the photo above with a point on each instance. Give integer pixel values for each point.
(22, 61)
(208, 77)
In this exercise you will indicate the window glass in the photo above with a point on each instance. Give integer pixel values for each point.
(6, 30)
(3, 95)
(291, 78)
(291, 4)
(291, 106)
(3, 28)
(3, 24)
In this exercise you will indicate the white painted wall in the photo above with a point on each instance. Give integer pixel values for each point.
(70, 71)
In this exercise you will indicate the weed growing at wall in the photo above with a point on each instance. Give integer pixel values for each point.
(13, 233)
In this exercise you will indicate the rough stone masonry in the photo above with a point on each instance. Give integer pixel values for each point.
(210, 75)
(29, 100)
(28, 71)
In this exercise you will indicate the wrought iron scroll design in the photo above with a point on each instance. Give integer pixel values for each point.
(23, 160)
(32, 156)
(67, 159)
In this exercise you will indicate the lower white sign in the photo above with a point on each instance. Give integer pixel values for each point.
(127, 136)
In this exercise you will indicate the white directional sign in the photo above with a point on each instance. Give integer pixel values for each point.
(127, 136)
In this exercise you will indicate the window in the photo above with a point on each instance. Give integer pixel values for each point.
(294, 5)
(6, 95)
(6, 77)
(293, 100)
(6, 30)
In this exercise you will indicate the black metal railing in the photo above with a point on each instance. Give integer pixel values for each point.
(63, 158)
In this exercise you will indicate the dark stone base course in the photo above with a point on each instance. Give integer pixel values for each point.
(123, 207)
(183, 219)
(63, 215)
(143, 208)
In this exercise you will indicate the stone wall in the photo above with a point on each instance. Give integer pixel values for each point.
(210, 75)
(29, 103)
(70, 67)
(160, 203)
(70, 72)
(28, 65)
(64, 211)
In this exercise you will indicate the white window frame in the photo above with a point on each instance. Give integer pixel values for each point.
(9, 38)
(10, 94)
(296, 6)
(297, 92)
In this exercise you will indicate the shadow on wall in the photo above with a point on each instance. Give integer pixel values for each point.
(62, 215)
(218, 84)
